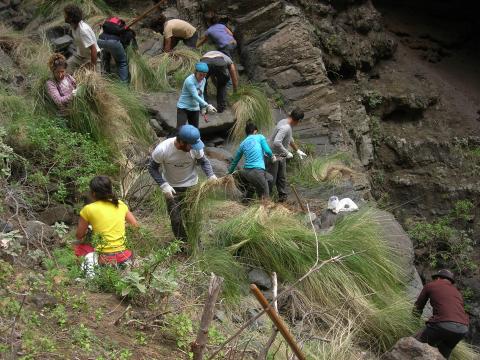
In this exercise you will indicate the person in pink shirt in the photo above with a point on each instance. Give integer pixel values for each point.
(62, 87)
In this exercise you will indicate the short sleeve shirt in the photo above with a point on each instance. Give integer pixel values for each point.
(108, 221)
(178, 166)
(220, 35)
(179, 29)
(83, 38)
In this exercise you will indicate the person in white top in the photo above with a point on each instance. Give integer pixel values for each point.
(84, 40)
(178, 157)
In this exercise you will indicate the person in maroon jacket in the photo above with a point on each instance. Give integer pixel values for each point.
(449, 322)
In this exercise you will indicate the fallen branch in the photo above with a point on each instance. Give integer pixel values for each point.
(198, 346)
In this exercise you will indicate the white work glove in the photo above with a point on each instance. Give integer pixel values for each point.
(289, 155)
(203, 111)
(212, 178)
(274, 158)
(211, 108)
(167, 189)
(74, 92)
(301, 154)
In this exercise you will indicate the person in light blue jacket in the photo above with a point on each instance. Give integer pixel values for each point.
(252, 178)
(192, 97)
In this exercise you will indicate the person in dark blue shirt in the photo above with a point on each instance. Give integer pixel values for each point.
(252, 178)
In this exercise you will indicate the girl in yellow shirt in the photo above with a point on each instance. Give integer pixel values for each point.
(107, 216)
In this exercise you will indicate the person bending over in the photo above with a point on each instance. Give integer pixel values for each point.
(62, 88)
(280, 140)
(252, 178)
(174, 31)
(107, 216)
(178, 157)
(220, 35)
(449, 322)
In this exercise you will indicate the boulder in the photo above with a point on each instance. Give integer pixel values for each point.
(38, 232)
(163, 107)
(6, 63)
(218, 153)
(220, 168)
(62, 43)
(58, 213)
(409, 348)
(260, 278)
(5, 227)
(42, 300)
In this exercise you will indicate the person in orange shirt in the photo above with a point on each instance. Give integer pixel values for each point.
(107, 217)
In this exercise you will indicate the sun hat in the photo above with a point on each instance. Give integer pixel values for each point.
(191, 135)
(201, 67)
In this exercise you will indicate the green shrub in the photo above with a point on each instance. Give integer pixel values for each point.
(67, 159)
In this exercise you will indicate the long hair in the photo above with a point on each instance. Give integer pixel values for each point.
(101, 187)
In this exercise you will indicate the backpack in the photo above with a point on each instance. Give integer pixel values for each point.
(116, 26)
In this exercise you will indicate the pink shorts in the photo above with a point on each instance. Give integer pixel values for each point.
(104, 259)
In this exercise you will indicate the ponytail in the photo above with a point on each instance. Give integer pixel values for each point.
(101, 186)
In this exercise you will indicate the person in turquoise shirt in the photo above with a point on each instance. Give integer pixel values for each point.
(252, 178)
(192, 97)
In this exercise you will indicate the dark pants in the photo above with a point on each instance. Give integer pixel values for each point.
(228, 50)
(218, 75)
(278, 171)
(251, 182)
(174, 207)
(114, 48)
(190, 42)
(186, 116)
(445, 340)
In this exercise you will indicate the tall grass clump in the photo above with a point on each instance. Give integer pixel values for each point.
(196, 203)
(367, 287)
(55, 7)
(312, 171)
(143, 77)
(108, 111)
(250, 104)
(173, 68)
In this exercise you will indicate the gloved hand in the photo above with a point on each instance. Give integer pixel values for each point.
(301, 154)
(211, 108)
(74, 92)
(212, 178)
(274, 158)
(167, 190)
(203, 111)
(289, 155)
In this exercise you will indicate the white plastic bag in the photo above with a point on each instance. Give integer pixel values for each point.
(346, 204)
(89, 262)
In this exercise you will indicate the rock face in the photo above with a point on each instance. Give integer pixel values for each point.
(411, 349)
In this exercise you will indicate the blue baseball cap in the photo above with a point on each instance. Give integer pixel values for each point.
(191, 135)
(201, 67)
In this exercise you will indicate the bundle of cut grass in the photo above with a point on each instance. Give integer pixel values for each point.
(175, 66)
(366, 288)
(315, 170)
(250, 104)
(195, 203)
(144, 77)
(109, 112)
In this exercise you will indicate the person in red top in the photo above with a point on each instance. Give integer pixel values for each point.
(449, 322)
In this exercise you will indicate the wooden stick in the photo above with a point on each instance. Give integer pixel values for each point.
(277, 320)
(199, 345)
(298, 198)
(144, 15)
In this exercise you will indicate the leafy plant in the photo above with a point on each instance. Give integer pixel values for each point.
(181, 326)
(131, 284)
(60, 228)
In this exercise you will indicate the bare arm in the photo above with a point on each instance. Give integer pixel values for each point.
(232, 69)
(131, 219)
(167, 44)
(202, 40)
(93, 56)
(82, 228)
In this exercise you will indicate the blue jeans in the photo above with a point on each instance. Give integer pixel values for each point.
(114, 48)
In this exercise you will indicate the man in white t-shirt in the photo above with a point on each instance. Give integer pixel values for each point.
(178, 157)
(84, 40)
